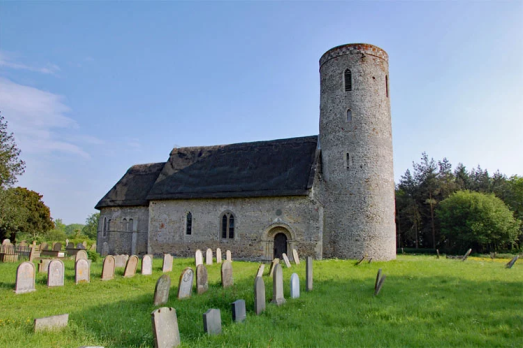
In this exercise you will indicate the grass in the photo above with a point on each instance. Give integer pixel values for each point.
(424, 302)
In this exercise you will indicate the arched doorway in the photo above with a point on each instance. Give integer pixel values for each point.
(280, 245)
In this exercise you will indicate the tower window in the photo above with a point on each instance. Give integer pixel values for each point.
(348, 161)
(104, 227)
(130, 225)
(349, 115)
(348, 80)
(125, 226)
(188, 224)
(228, 225)
(387, 85)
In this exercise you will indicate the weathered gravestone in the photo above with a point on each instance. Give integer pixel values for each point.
(260, 270)
(147, 264)
(512, 262)
(377, 279)
(44, 246)
(23, 243)
(259, 295)
(43, 266)
(69, 245)
(57, 246)
(25, 278)
(80, 246)
(161, 291)
(105, 249)
(273, 264)
(66, 243)
(379, 282)
(185, 283)
(167, 263)
(165, 328)
(51, 323)
(120, 261)
(93, 247)
(82, 271)
(130, 267)
(295, 286)
(466, 255)
(361, 259)
(81, 255)
(238, 311)
(33, 253)
(108, 268)
(198, 257)
(277, 286)
(226, 273)
(218, 255)
(84, 243)
(295, 256)
(202, 282)
(212, 322)
(286, 260)
(55, 273)
(308, 274)
(6, 242)
(228, 255)
(208, 257)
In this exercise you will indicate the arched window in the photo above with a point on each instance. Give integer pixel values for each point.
(348, 80)
(349, 115)
(130, 225)
(387, 85)
(125, 226)
(104, 227)
(227, 225)
(188, 224)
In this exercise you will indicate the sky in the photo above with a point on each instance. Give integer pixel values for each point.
(92, 88)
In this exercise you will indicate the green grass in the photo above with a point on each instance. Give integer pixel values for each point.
(424, 302)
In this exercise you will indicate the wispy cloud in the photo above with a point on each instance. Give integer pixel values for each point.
(7, 61)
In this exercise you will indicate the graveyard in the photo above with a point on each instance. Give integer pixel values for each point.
(424, 302)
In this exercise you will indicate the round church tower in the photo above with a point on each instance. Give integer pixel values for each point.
(356, 150)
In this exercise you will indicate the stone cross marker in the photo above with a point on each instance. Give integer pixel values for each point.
(185, 284)
(277, 286)
(161, 291)
(25, 278)
(165, 328)
(208, 257)
(202, 284)
(108, 268)
(218, 255)
(238, 311)
(167, 263)
(260, 270)
(466, 255)
(212, 322)
(227, 279)
(273, 264)
(295, 256)
(57, 246)
(512, 262)
(121, 260)
(286, 260)
(259, 295)
(81, 255)
(82, 272)
(105, 249)
(147, 265)
(130, 267)
(51, 323)
(55, 273)
(228, 255)
(198, 257)
(295, 286)
(308, 274)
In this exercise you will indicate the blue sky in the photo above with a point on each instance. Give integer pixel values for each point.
(91, 88)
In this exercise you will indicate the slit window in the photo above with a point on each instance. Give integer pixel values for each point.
(104, 227)
(188, 224)
(348, 80)
(348, 160)
(349, 115)
(227, 225)
(387, 85)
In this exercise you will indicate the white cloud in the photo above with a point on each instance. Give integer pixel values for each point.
(6, 61)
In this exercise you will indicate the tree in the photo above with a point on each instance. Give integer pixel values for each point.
(73, 229)
(91, 225)
(10, 163)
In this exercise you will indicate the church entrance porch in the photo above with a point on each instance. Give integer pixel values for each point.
(277, 239)
(280, 245)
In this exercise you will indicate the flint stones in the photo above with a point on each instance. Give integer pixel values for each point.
(81, 255)
(105, 249)
(202, 284)
(308, 274)
(147, 265)
(82, 272)
(185, 284)
(130, 268)
(228, 255)
(273, 264)
(227, 279)
(51, 323)
(260, 270)
(212, 322)
(161, 291)
(198, 257)
(43, 266)
(208, 257)
(120, 261)
(165, 328)
(259, 295)
(25, 278)
(295, 286)
(167, 263)
(286, 260)
(57, 246)
(277, 286)
(55, 273)
(295, 256)
(218, 255)
(108, 268)
(238, 311)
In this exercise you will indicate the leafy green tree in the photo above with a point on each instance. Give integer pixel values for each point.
(91, 226)
(10, 163)
(73, 229)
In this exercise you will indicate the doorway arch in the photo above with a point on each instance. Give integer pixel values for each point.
(270, 240)
(280, 245)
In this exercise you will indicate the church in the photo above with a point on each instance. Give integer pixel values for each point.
(327, 195)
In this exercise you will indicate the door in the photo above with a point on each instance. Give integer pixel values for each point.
(280, 245)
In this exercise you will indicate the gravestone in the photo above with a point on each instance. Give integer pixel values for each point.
(82, 271)
(208, 257)
(43, 266)
(202, 282)
(120, 261)
(379, 285)
(286, 260)
(55, 273)
(378, 276)
(466, 255)
(51, 323)
(161, 291)
(238, 311)
(361, 260)
(167, 263)
(69, 245)
(260, 270)
(198, 257)
(93, 247)
(259, 295)
(274, 262)
(437, 253)
(25, 278)
(57, 246)
(185, 283)
(212, 322)
(218, 255)
(84, 243)
(165, 328)
(105, 249)
(228, 255)
(308, 274)
(295, 286)
(6, 242)
(295, 256)
(80, 246)
(108, 268)
(81, 255)
(277, 286)
(32, 253)
(226, 273)
(147, 265)
(130, 267)
(44, 246)
(512, 262)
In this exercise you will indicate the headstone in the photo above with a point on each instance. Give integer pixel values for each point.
(370, 260)
(185, 284)
(228, 255)
(43, 266)
(32, 253)
(161, 291)
(147, 265)
(238, 311)
(51, 323)
(277, 286)
(6, 242)
(512, 262)
(120, 261)
(198, 257)
(70, 245)
(44, 246)
(130, 267)
(208, 257)
(202, 282)
(378, 276)
(81, 255)
(93, 247)
(466, 255)
(105, 249)
(84, 243)
(274, 262)
(295, 256)
(259, 295)
(167, 263)
(361, 260)
(23, 243)
(295, 286)
(260, 270)
(308, 274)
(108, 268)
(80, 246)
(67, 243)
(437, 253)
(380, 284)
(57, 246)
(286, 260)
(212, 322)
(165, 328)
(25, 278)
(227, 279)
(82, 271)
(218, 255)
(55, 273)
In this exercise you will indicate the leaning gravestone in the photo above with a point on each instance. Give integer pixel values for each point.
(25, 278)
(260, 270)
(378, 276)
(167, 263)
(379, 284)
(286, 260)
(81, 255)
(308, 274)
(165, 328)
(120, 261)
(147, 265)
(466, 255)
(161, 291)
(238, 311)
(43, 266)
(259, 295)
(295, 256)
(51, 323)
(55, 273)
(228, 255)
(208, 257)
(218, 255)
(273, 264)
(295, 286)
(108, 268)
(226, 273)
(57, 246)
(82, 272)
(130, 267)
(198, 257)
(512, 262)
(105, 249)
(185, 284)
(212, 322)
(202, 283)
(277, 286)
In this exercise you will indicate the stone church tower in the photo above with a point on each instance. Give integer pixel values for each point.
(356, 153)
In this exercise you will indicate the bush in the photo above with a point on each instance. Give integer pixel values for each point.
(93, 255)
